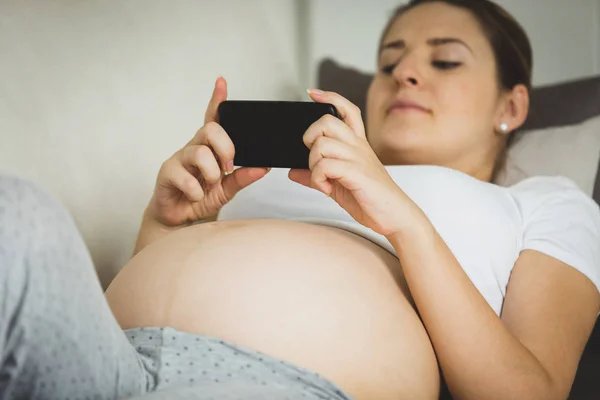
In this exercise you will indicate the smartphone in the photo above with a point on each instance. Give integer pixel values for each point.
(269, 133)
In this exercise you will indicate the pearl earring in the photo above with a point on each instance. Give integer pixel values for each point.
(504, 127)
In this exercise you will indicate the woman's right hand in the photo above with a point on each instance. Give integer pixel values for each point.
(192, 184)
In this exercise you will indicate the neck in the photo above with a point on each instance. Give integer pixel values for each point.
(481, 168)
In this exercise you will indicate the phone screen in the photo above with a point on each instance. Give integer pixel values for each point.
(269, 133)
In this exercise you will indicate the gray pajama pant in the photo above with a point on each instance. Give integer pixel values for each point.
(59, 339)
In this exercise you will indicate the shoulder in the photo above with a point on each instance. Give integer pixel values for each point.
(547, 185)
(560, 220)
(552, 193)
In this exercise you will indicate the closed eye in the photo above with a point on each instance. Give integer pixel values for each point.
(445, 65)
(388, 69)
(442, 65)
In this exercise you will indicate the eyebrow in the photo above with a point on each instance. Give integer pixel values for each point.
(434, 42)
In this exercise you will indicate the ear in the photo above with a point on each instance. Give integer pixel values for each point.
(513, 109)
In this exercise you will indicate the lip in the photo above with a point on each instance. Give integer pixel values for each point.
(407, 105)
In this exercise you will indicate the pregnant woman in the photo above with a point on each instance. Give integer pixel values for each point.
(395, 260)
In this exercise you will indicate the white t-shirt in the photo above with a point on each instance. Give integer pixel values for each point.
(485, 226)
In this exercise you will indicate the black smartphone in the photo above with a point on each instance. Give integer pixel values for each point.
(269, 133)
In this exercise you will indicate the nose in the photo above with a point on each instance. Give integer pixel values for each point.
(406, 72)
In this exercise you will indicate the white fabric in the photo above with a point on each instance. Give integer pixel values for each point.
(560, 221)
(485, 226)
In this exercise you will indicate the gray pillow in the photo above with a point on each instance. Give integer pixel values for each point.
(561, 104)
(566, 103)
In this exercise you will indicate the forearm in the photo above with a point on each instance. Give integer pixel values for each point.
(479, 356)
(152, 230)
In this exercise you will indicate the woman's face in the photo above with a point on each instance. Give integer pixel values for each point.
(435, 98)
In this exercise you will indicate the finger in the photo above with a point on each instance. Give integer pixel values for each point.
(211, 114)
(219, 95)
(214, 136)
(329, 126)
(202, 158)
(176, 175)
(349, 113)
(325, 147)
(301, 176)
(240, 178)
(328, 170)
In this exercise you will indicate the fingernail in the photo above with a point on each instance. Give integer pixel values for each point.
(317, 92)
(229, 167)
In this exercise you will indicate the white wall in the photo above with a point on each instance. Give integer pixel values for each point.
(596, 34)
(94, 95)
(564, 34)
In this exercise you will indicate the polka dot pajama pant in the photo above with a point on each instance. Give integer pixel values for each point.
(59, 339)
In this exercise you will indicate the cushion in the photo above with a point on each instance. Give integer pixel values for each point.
(566, 105)
(564, 150)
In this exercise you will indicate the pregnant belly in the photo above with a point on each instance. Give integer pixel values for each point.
(319, 297)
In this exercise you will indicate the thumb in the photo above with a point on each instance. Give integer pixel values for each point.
(219, 95)
(240, 178)
(301, 176)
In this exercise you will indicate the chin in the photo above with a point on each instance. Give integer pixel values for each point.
(403, 135)
(403, 153)
(402, 145)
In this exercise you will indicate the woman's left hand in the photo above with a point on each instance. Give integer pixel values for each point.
(343, 165)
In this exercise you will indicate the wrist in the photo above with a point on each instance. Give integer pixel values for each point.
(415, 226)
(151, 222)
(150, 231)
(149, 218)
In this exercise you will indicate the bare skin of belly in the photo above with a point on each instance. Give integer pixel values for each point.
(318, 297)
